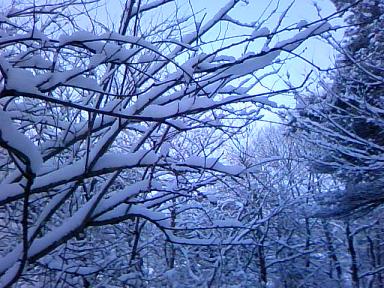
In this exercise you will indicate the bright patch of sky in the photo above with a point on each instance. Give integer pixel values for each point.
(260, 15)
(258, 11)
(267, 14)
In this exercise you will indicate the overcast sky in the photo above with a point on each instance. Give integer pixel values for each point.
(316, 51)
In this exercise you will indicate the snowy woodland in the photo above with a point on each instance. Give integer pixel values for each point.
(134, 150)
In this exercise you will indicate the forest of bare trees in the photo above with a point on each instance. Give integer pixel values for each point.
(134, 150)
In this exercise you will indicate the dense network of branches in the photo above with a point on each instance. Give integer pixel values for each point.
(129, 159)
(107, 122)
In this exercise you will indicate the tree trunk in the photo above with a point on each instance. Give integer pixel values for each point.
(352, 253)
(332, 253)
(262, 263)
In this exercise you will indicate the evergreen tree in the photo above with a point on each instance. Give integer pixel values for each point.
(346, 124)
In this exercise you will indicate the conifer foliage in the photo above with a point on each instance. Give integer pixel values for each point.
(346, 124)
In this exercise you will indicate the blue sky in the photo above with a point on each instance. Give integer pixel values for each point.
(315, 50)
(301, 10)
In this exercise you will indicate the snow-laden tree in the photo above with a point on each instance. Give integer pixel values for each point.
(294, 249)
(289, 249)
(110, 128)
(345, 124)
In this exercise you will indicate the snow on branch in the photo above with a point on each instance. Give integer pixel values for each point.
(123, 121)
